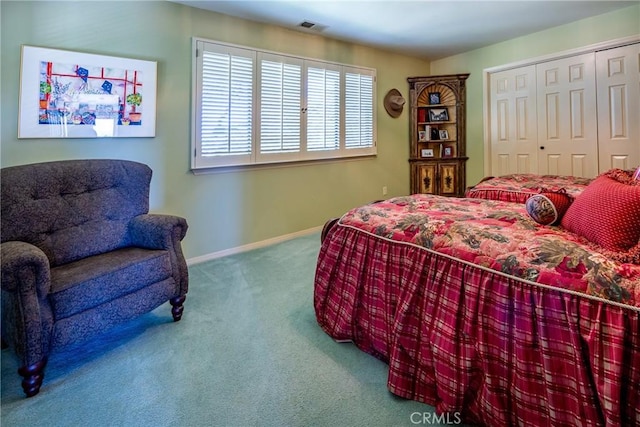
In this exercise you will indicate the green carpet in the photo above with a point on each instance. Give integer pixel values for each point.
(248, 352)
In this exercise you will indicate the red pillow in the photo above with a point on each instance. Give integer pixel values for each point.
(606, 213)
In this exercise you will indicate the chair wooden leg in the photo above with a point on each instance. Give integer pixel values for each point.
(32, 377)
(177, 307)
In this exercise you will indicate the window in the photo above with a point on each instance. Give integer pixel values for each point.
(256, 107)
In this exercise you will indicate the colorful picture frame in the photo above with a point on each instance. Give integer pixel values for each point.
(447, 150)
(66, 94)
(422, 136)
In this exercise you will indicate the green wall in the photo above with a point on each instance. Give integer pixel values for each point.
(621, 23)
(224, 210)
(231, 209)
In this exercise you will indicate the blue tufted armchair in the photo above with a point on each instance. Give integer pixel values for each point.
(80, 254)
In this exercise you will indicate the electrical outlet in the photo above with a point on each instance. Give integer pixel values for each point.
(384, 190)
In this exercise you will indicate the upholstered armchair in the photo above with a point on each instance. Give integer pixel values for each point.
(80, 254)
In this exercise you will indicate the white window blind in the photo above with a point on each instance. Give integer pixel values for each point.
(323, 107)
(224, 123)
(280, 104)
(359, 123)
(256, 107)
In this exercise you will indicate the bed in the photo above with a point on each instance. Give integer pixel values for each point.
(484, 313)
(518, 188)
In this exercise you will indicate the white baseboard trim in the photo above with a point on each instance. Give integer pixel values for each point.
(252, 246)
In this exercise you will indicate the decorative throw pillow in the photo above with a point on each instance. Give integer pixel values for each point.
(607, 212)
(548, 207)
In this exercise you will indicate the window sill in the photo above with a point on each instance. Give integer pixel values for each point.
(278, 165)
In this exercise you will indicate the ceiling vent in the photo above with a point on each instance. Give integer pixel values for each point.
(312, 26)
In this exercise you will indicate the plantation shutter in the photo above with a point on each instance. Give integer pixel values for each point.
(323, 107)
(253, 107)
(225, 104)
(359, 102)
(280, 81)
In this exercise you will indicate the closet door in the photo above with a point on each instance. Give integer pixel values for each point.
(514, 147)
(618, 80)
(567, 117)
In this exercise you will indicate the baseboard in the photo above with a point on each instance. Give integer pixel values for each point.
(252, 246)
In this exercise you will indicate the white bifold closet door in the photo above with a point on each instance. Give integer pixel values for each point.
(514, 141)
(576, 115)
(618, 80)
(567, 117)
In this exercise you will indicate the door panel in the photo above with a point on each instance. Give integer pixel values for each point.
(427, 178)
(447, 174)
(618, 74)
(567, 125)
(513, 127)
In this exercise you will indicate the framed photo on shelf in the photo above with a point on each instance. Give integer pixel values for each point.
(422, 136)
(447, 151)
(438, 115)
(434, 98)
(434, 135)
(443, 134)
(426, 152)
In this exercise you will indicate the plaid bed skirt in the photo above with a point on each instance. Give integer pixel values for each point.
(464, 339)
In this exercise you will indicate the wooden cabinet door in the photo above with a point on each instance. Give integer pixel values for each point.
(426, 175)
(440, 178)
(447, 179)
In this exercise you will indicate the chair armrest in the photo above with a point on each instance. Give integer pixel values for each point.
(24, 268)
(27, 315)
(155, 231)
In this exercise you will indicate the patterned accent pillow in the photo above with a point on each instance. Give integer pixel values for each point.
(607, 212)
(548, 208)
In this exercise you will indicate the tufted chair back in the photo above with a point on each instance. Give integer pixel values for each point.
(73, 209)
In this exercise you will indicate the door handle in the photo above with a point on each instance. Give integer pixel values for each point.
(542, 147)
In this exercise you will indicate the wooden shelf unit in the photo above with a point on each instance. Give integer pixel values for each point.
(438, 134)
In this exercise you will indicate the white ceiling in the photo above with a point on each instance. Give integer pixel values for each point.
(430, 29)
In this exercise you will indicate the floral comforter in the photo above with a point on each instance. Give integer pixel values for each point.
(500, 236)
(519, 187)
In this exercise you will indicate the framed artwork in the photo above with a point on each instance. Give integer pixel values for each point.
(427, 152)
(434, 98)
(438, 115)
(66, 94)
(447, 151)
(444, 134)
